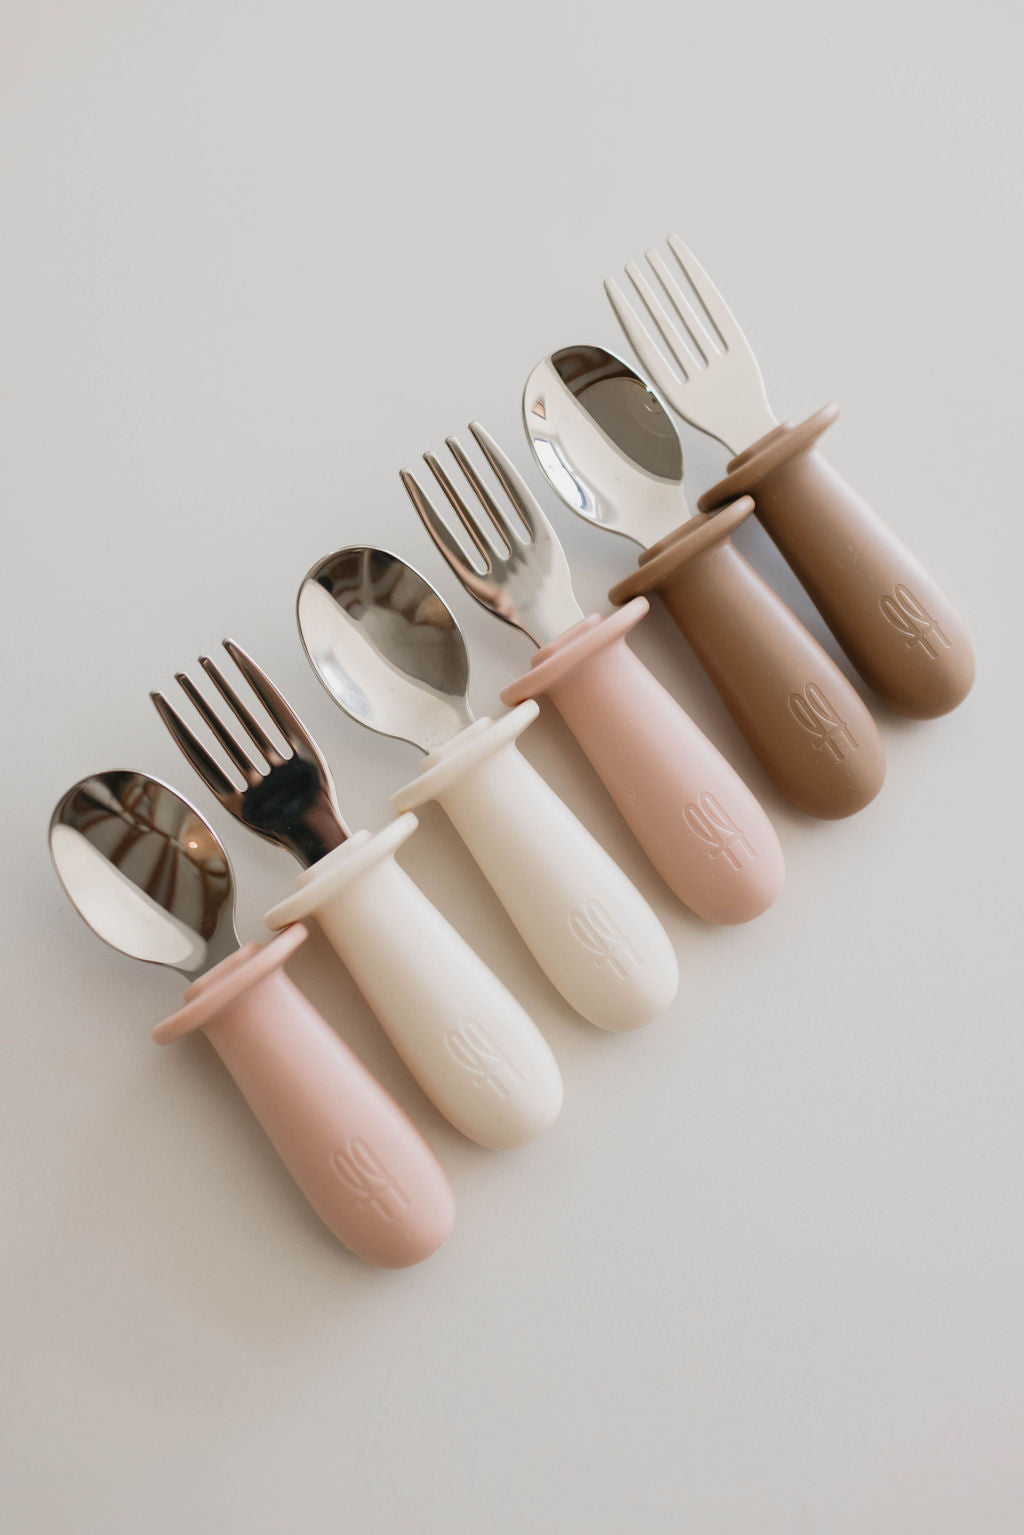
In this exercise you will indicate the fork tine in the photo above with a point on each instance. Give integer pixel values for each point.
(511, 482)
(245, 766)
(280, 711)
(642, 342)
(461, 510)
(720, 314)
(483, 495)
(254, 729)
(215, 780)
(439, 533)
(682, 350)
(697, 332)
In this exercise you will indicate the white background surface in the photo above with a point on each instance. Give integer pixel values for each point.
(764, 1277)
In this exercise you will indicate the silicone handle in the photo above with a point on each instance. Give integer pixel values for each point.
(367, 1172)
(587, 925)
(697, 821)
(464, 1037)
(896, 625)
(807, 724)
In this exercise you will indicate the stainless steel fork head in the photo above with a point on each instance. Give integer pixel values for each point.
(290, 800)
(514, 565)
(713, 379)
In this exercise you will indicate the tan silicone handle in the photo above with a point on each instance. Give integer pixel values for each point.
(807, 724)
(895, 623)
(363, 1166)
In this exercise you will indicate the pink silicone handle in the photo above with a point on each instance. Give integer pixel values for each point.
(365, 1169)
(693, 815)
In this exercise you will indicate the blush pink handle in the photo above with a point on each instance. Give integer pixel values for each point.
(365, 1169)
(693, 815)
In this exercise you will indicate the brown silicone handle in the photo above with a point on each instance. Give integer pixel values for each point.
(807, 724)
(896, 625)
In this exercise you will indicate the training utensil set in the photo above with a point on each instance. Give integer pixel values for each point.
(150, 877)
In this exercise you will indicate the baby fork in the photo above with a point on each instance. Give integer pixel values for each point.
(463, 1036)
(895, 623)
(693, 815)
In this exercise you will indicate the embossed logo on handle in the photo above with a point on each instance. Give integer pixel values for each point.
(361, 1170)
(819, 718)
(486, 1062)
(598, 932)
(910, 616)
(718, 829)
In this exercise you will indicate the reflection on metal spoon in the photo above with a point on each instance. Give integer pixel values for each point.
(145, 871)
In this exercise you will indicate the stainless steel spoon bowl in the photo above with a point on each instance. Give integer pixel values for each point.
(606, 443)
(389, 651)
(385, 646)
(150, 878)
(145, 871)
(610, 451)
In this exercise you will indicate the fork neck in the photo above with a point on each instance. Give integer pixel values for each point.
(744, 426)
(548, 621)
(320, 833)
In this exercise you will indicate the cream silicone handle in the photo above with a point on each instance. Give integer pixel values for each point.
(693, 815)
(587, 925)
(365, 1169)
(895, 623)
(465, 1038)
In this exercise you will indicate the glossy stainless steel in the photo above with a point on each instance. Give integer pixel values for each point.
(385, 646)
(606, 443)
(145, 871)
(515, 566)
(290, 800)
(710, 376)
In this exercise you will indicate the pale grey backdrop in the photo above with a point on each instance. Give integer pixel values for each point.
(764, 1277)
